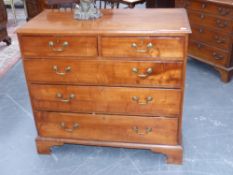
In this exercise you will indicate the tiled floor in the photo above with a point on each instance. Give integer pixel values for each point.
(207, 135)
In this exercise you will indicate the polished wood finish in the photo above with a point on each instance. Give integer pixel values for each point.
(77, 46)
(212, 37)
(165, 47)
(109, 100)
(105, 72)
(3, 24)
(152, 130)
(103, 93)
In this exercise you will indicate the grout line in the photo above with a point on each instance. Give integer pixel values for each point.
(133, 163)
(21, 107)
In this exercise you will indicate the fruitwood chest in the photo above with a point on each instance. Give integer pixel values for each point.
(212, 38)
(117, 81)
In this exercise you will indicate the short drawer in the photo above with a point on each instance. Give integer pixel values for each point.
(205, 52)
(210, 21)
(43, 46)
(150, 130)
(102, 72)
(208, 7)
(211, 37)
(166, 48)
(107, 100)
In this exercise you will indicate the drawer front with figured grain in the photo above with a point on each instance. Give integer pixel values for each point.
(45, 46)
(102, 72)
(224, 25)
(108, 100)
(151, 130)
(208, 7)
(166, 48)
(208, 53)
(211, 37)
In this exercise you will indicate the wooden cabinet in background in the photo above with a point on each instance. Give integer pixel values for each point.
(211, 40)
(3, 24)
(110, 81)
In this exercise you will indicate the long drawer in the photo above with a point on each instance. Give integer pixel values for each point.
(107, 100)
(151, 130)
(208, 53)
(211, 37)
(165, 48)
(58, 46)
(208, 7)
(210, 21)
(103, 72)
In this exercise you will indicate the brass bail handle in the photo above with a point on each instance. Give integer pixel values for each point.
(219, 40)
(61, 99)
(58, 49)
(148, 72)
(64, 127)
(66, 70)
(221, 24)
(217, 56)
(145, 132)
(148, 47)
(146, 100)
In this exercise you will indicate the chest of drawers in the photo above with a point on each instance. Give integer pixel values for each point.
(117, 81)
(212, 37)
(3, 24)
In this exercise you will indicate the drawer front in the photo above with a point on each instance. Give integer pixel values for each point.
(212, 8)
(151, 130)
(108, 100)
(93, 72)
(210, 21)
(211, 37)
(34, 46)
(166, 48)
(208, 53)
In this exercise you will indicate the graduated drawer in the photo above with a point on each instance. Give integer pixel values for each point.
(94, 72)
(210, 21)
(166, 48)
(208, 53)
(108, 100)
(43, 46)
(212, 8)
(151, 130)
(211, 37)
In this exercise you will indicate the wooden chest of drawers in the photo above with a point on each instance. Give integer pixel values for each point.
(3, 24)
(212, 37)
(117, 81)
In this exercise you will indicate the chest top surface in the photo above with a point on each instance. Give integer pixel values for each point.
(227, 2)
(117, 21)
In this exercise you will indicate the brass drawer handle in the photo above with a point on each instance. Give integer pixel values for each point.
(223, 11)
(221, 24)
(199, 45)
(146, 100)
(149, 71)
(61, 99)
(137, 130)
(202, 16)
(219, 39)
(201, 30)
(203, 5)
(148, 47)
(217, 56)
(58, 49)
(66, 70)
(64, 127)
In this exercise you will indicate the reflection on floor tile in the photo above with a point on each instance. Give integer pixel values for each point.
(207, 135)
